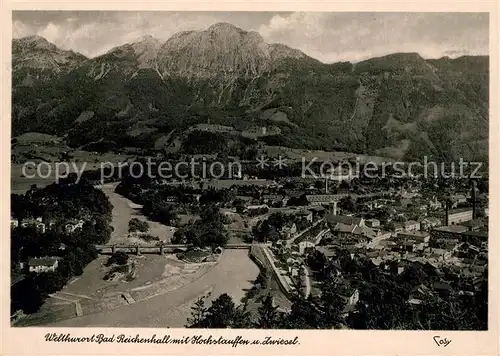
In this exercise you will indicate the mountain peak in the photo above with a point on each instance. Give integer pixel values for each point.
(225, 27)
(146, 39)
(36, 41)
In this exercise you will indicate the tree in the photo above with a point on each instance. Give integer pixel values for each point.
(298, 201)
(137, 225)
(316, 260)
(239, 205)
(347, 204)
(268, 314)
(119, 258)
(220, 314)
(198, 312)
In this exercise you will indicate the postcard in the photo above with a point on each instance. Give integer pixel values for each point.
(250, 178)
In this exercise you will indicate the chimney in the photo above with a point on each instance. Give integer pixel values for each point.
(446, 213)
(473, 193)
(334, 207)
(326, 185)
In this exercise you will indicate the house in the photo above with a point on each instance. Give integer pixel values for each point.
(317, 211)
(327, 251)
(457, 216)
(430, 222)
(398, 227)
(474, 237)
(448, 232)
(343, 230)
(372, 222)
(43, 264)
(466, 250)
(324, 199)
(411, 225)
(212, 128)
(349, 294)
(273, 200)
(366, 232)
(440, 254)
(473, 225)
(419, 294)
(396, 267)
(308, 215)
(72, 227)
(434, 204)
(443, 289)
(37, 223)
(333, 220)
(257, 207)
(417, 236)
(459, 199)
(304, 245)
(287, 231)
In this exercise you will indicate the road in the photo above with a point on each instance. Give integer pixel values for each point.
(232, 275)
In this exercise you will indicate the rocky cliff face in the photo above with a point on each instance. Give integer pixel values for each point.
(221, 50)
(34, 58)
(400, 105)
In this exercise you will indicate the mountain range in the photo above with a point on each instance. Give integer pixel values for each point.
(148, 93)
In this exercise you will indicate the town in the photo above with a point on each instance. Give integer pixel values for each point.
(318, 243)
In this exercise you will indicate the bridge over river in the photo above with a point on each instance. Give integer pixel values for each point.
(162, 248)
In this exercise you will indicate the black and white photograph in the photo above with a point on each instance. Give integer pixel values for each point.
(250, 170)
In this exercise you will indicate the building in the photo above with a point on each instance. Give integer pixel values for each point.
(333, 220)
(72, 227)
(475, 237)
(308, 215)
(417, 236)
(43, 264)
(448, 232)
(372, 222)
(434, 204)
(305, 245)
(318, 211)
(459, 199)
(473, 225)
(429, 223)
(37, 223)
(349, 294)
(14, 222)
(457, 216)
(440, 254)
(289, 230)
(411, 225)
(420, 294)
(324, 199)
(212, 128)
(273, 199)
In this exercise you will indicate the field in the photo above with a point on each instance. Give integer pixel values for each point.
(45, 173)
(295, 154)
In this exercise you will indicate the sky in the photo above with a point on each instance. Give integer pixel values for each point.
(327, 36)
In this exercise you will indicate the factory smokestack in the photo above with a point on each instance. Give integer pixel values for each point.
(473, 195)
(446, 211)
